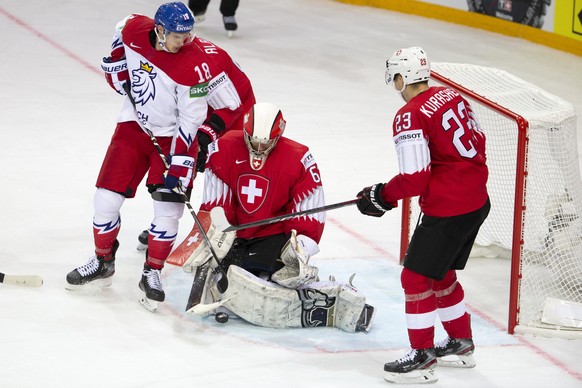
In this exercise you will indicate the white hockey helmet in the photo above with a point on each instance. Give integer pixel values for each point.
(263, 126)
(411, 63)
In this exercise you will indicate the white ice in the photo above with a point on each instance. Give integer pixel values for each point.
(322, 62)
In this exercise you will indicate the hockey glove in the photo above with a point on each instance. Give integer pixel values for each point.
(370, 201)
(206, 135)
(221, 242)
(116, 73)
(295, 256)
(180, 172)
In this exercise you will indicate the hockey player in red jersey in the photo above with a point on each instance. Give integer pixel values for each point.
(441, 154)
(256, 174)
(165, 73)
(250, 189)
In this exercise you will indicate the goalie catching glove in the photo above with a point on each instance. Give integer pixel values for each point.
(295, 257)
(370, 201)
(220, 241)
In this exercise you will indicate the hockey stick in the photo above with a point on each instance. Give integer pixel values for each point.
(223, 281)
(284, 217)
(21, 280)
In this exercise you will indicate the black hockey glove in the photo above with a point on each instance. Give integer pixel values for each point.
(370, 201)
(204, 139)
(207, 133)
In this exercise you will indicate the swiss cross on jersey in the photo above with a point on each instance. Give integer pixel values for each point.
(252, 190)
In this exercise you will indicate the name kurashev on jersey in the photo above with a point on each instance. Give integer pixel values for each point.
(435, 102)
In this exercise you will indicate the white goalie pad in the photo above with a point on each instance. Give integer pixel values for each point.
(295, 256)
(220, 241)
(268, 304)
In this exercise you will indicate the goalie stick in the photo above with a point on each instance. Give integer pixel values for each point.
(223, 281)
(21, 280)
(284, 217)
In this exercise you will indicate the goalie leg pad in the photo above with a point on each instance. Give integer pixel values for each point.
(268, 304)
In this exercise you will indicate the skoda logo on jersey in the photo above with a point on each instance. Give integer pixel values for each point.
(251, 191)
(142, 83)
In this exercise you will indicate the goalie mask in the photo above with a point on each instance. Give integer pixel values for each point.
(411, 63)
(263, 126)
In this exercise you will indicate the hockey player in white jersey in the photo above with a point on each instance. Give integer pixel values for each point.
(167, 78)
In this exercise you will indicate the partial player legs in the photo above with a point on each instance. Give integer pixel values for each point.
(106, 223)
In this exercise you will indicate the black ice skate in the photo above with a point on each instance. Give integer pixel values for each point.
(455, 352)
(416, 367)
(97, 271)
(229, 25)
(143, 241)
(151, 285)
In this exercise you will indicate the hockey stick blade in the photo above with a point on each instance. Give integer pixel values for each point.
(205, 309)
(21, 280)
(284, 217)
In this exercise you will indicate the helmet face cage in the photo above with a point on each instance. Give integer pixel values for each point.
(175, 17)
(411, 63)
(263, 126)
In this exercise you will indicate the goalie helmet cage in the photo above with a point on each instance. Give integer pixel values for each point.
(536, 196)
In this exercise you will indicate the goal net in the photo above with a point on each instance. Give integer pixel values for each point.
(536, 195)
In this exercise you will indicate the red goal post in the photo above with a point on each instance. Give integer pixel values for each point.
(536, 195)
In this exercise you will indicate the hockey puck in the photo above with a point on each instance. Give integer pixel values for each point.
(221, 317)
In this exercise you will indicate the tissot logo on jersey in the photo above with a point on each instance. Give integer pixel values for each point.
(251, 191)
(142, 85)
(308, 160)
(217, 81)
(408, 136)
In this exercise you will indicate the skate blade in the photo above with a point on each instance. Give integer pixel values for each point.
(229, 34)
(141, 247)
(149, 304)
(463, 361)
(421, 376)
(95, 285)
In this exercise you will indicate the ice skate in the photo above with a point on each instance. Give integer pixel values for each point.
(97, 272)
(457, 353)
(142, 239)
(151, 285)
(229, 25)
(416, 367)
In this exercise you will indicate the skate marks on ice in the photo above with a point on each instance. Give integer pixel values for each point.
(378, 279)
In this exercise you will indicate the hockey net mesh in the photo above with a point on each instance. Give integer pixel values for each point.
(551, 262)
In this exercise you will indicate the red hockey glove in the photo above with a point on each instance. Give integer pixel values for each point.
(116, 73)
(180, 172)
(370, 201)
(206, 135)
